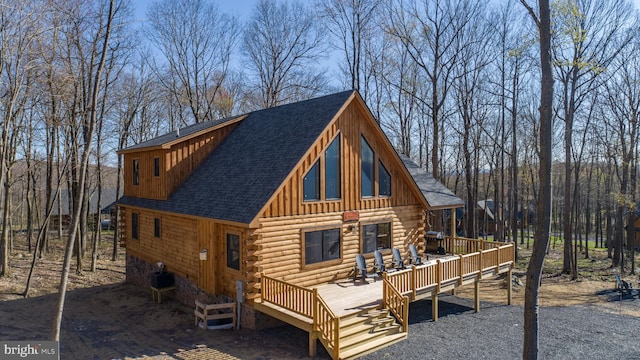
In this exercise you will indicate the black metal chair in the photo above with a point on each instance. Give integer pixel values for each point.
(415, 258)
(397, 259)
(379, 263)
(361, 267)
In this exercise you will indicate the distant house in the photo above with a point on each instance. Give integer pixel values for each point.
(62, 213)
(486, 217)
(291, 194)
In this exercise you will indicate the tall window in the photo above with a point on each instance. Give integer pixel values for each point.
(322, 245)
(332, 170)
(156, 227)
(327, 167)
(376, 236)
(384, 180)
(136, 172)
(233, 251)
(135, 226)
(367, 166)
(156, 166)
(311, 183)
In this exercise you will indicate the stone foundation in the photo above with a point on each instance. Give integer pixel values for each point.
(139, 272)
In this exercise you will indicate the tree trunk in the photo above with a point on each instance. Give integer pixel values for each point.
(534, 270)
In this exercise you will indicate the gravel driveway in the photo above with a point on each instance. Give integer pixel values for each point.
(496, 332)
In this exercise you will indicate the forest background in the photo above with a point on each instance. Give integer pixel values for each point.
(454, 84)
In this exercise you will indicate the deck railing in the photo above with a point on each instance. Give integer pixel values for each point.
(442, 271)
(395, 302)
(294, 298)
(305, 302)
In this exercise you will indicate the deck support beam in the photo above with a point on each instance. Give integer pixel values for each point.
(509, 286)
(434, 306)
(313, 342)
(476, 295)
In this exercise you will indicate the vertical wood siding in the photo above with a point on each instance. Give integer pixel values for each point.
(289, 200)
(176, 164)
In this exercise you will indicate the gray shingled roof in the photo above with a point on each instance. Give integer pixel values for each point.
(237, 179)
(185, 131)
(437, 195)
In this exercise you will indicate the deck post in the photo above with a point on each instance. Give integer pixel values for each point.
(509, 286)
(476, 294)
(313, 342)
(434, 306)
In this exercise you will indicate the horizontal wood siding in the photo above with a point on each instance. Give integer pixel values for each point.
(277, 244)
(289, 200)
(177, 246)
(176, 164)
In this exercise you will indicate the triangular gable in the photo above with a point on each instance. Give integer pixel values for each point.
(237, 179)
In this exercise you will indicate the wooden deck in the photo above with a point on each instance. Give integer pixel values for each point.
(322, 309)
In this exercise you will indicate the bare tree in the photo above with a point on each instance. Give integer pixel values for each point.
(197, 41)
(282, 41)
(430, 30)
(100, 45)
(19, 26)
(352, 24)
(588, 34)
(543, 207)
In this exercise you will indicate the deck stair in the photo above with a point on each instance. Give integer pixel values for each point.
(367, 331)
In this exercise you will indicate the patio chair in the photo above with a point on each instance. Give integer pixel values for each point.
(361, 267)
(379, 263)
(415, 258)
(397, 259)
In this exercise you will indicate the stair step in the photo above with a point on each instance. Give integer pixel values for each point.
(367, 347)
(365, 328)
(367, 335)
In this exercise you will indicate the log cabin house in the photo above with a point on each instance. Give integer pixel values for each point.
(267, 207)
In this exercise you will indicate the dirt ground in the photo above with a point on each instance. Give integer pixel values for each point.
(105, 318)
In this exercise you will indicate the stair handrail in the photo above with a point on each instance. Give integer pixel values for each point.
(395, 302)
(326, 324)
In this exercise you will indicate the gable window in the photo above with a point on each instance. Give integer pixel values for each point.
(322, 245)
(326, 168)
(156, 166)
(233, 251)
(367, 169)
(376, 236)
(135, 226)
(156, 227)
(384, 180)
(332, 170)
(311, 183)
(136, 172)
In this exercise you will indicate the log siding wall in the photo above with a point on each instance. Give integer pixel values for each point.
(277, 248)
